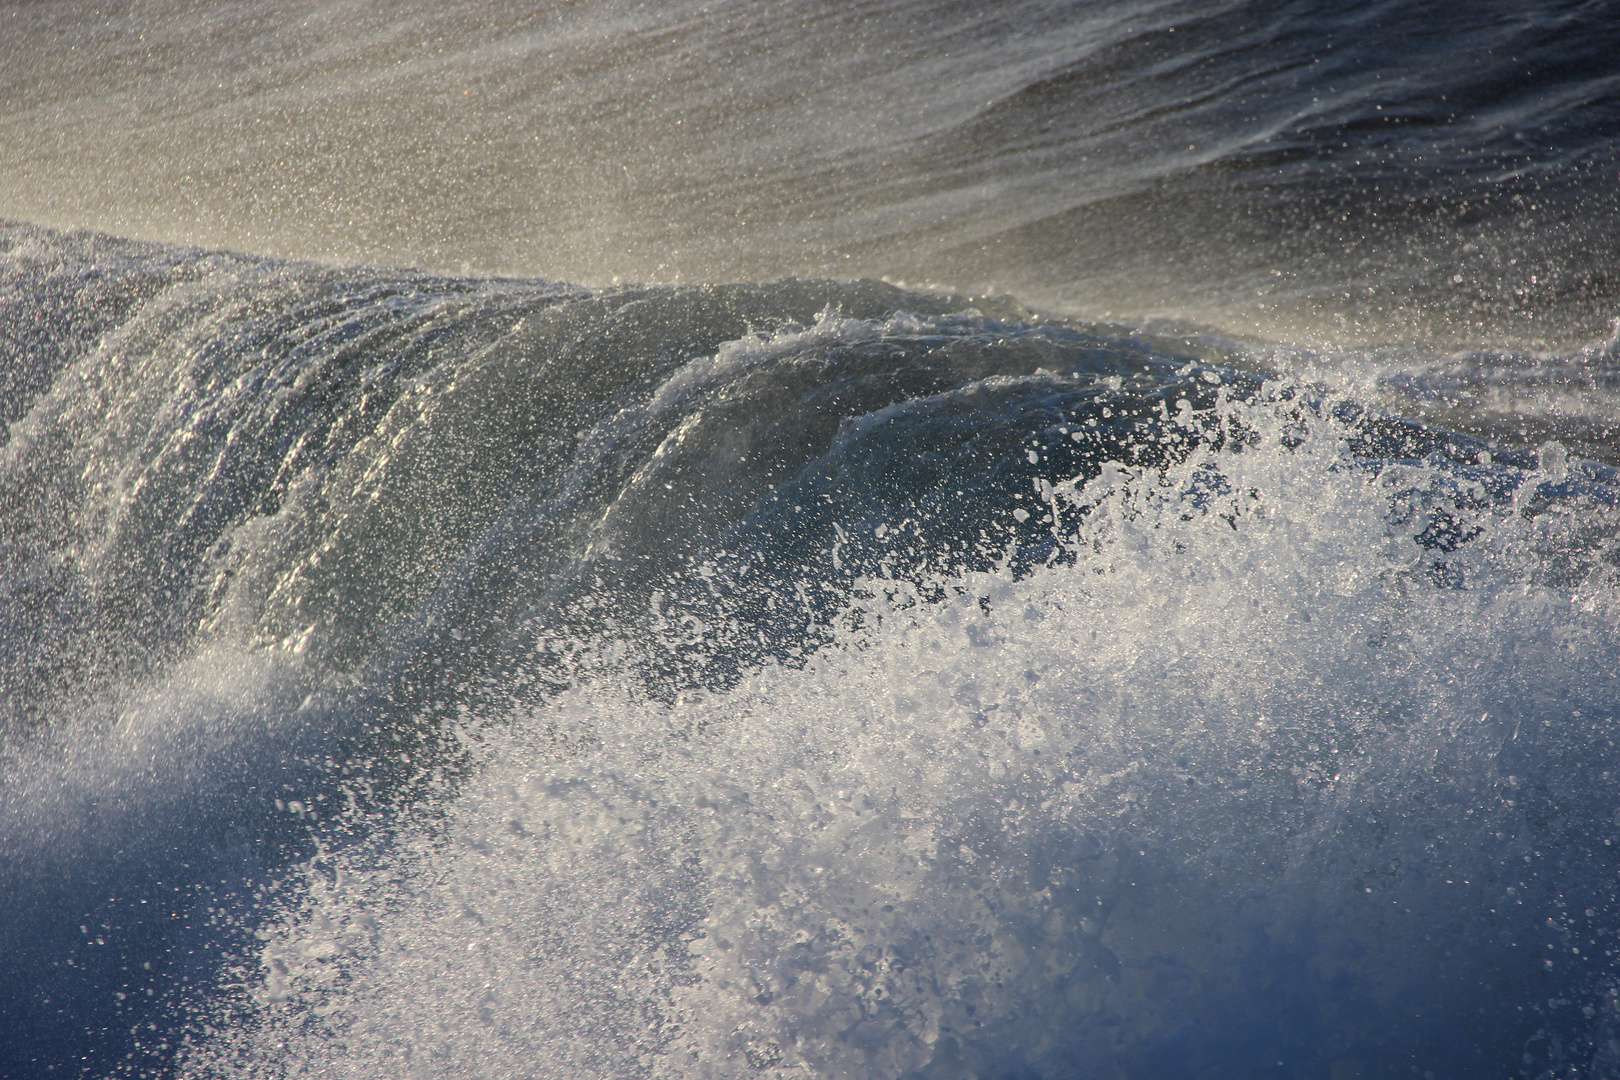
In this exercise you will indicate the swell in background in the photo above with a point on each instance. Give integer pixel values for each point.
(1295, 170)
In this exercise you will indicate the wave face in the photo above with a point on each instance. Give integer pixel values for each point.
(417, 675)
(1203, 662)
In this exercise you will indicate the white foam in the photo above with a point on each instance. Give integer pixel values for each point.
(988, 820)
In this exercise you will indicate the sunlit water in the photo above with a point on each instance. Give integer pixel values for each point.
(1169, 628)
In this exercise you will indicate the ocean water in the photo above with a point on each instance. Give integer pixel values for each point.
(791, 541)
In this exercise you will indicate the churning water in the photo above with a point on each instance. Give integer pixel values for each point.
(1175, 635)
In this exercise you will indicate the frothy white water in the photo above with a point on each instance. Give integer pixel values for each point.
(1254, 776)
(1529, 397)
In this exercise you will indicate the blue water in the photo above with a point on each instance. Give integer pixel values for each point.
(1076, 541)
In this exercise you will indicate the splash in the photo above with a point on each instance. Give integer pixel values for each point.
(1258, 773)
